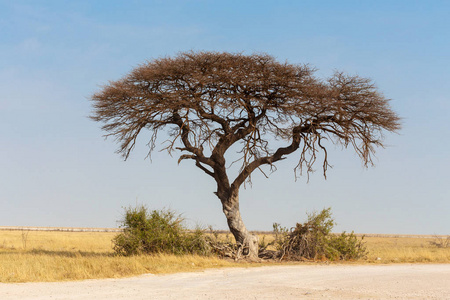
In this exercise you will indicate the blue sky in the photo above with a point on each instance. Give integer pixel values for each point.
(56, 169)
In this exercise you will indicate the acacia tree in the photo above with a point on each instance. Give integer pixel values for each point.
(208, 102)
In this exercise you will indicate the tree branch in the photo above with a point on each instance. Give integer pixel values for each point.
(278, 155)
(198, 164)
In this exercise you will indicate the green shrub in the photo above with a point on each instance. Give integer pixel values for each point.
(346, 247)
(157, 231)
(314, 240)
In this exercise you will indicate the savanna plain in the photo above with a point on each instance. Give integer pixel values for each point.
(46, 256)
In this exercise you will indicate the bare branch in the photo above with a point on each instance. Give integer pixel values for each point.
(199, 165)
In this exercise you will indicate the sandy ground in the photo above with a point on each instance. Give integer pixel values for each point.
(278, 282)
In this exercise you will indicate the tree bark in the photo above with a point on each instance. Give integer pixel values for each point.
(247, 242)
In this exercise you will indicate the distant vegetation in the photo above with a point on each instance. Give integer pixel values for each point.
(441, 242)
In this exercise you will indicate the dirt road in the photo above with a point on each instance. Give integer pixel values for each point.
(278, 282)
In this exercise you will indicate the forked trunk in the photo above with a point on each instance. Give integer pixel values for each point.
(247, 242)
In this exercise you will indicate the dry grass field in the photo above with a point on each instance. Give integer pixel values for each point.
(60, 256)
(405, 250)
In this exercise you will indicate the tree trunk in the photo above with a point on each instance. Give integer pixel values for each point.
(247, 242)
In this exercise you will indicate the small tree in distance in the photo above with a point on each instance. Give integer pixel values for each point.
(209, 101)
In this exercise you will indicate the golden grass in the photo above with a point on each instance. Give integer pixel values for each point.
(97, 242)
(405, 250)
(60, 256)
(26, 266)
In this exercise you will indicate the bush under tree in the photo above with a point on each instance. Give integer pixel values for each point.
(158, 231)
(313, 240)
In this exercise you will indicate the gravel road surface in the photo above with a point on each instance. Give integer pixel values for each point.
(399, 281)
